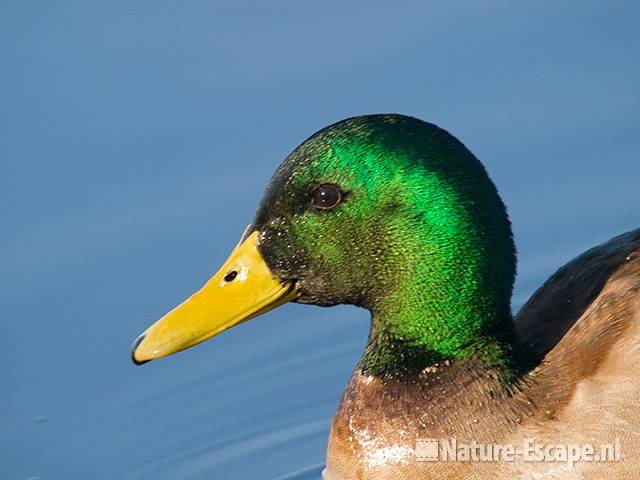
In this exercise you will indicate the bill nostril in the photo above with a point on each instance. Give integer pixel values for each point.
(231, 276)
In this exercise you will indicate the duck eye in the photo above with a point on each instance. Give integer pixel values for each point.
(326, 196)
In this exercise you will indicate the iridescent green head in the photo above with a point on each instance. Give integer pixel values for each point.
(382, 211)
(395, 215)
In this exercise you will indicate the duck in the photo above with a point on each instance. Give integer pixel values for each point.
(395, 215)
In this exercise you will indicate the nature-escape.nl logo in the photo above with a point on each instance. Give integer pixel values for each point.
(450, 450)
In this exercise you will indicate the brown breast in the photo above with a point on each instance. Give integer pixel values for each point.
(581, 332)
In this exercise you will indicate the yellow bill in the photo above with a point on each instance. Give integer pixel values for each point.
(242, 289)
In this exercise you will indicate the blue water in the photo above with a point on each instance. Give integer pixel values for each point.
(135, 140)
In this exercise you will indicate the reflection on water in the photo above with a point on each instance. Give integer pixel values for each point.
(196, 419)
(307, 473)
(259, 430)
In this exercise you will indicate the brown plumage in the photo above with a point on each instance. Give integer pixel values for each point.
(581, 330)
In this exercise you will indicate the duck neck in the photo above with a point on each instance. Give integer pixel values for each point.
(411, 331)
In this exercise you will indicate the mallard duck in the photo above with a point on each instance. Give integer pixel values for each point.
(395, 215)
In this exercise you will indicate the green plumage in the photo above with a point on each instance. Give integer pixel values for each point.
(421, 239)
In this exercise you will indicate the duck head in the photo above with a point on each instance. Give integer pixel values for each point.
(386, 212)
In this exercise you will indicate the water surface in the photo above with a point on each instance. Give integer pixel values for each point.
(135, 141)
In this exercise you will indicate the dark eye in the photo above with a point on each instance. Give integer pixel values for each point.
(326, 196)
